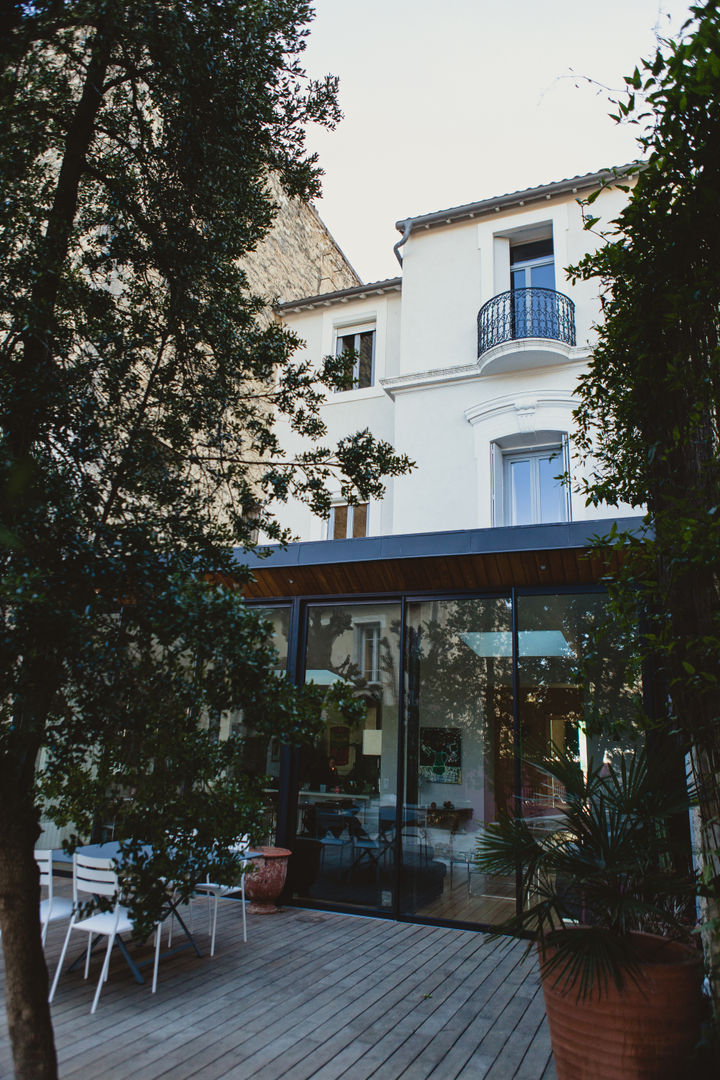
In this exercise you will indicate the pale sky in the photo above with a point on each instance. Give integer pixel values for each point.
(451, 101)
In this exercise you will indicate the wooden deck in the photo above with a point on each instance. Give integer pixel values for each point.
(312, 996)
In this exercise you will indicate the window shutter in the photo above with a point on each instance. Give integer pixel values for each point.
(495, 494)
(566, 469)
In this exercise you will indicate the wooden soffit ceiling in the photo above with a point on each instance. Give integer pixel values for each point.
(473, 560)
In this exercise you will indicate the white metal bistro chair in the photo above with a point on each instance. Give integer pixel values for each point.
(215, 892)
(372, 840)
(53, 907)
(98, 877)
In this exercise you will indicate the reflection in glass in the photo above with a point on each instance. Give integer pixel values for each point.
(460, 766)
(550, 490)
(459, 756)
(344, 847)
(533, 492)
(565, 689)
(521, 513)
(260, 754)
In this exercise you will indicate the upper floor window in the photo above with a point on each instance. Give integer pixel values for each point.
(530, 308)
(533, 495)
(368, 650)
(347, 521)
(360, 341)
(527, 490)
(532, 265)
(532, 268)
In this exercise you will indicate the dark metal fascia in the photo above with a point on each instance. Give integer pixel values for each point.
(504, 539)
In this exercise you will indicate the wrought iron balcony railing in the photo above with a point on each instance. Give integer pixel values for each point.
(526, 313)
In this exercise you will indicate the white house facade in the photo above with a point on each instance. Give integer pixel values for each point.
(472, 358)
(463, 608)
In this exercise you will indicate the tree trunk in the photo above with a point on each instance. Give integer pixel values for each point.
(29, 1021)
(38, 336)
(26, 975)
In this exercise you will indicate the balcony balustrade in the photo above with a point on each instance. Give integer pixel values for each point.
(526, 313)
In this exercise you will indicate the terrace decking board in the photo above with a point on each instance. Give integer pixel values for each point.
(312, 996)
(482, 1056)
(446, 1023)
(276, 994)
(514, 1051)
(283, 1003)
(538, 1048)
(395, 1028)
(480, 1011)
(360, 1030)
(190, 1000)
(197, 975)
(349, 995)
(218, 1011)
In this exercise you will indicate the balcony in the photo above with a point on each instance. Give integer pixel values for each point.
(525, 328)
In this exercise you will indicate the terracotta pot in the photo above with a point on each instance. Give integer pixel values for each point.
(264, 885)
(641, 1032)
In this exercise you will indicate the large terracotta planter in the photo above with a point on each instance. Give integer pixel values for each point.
(264, 885)
(641, 1032)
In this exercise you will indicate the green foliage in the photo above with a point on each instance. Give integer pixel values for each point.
(605, 864)
(343, 697)
(140, 386)
(649, 412)
(648, 418)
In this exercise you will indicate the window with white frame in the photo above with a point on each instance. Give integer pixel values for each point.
(368, 650)
(532, 264)
(346, 521)
(531, 268)
(527, 484)
(360, 341)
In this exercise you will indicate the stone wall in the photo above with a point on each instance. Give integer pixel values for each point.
(298, 257)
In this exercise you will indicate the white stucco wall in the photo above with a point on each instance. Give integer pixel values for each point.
(438, 405)
(351, 410)
(451, 489)
(450, 271)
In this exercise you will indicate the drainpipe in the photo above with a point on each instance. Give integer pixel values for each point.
(407, 224)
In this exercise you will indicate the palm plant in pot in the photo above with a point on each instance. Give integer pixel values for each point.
(621, 1002)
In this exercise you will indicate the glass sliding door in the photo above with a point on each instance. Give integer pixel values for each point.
(466, 750)
(571, 671)
(344, 850)
(260, 755)
(459, 763)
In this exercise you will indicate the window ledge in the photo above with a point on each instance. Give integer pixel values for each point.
(359, 394)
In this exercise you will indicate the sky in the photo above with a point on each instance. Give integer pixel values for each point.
(451, 101)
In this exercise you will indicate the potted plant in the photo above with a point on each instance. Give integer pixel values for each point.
(621, 1002)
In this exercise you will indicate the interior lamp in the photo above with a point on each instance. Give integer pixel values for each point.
(372, 742)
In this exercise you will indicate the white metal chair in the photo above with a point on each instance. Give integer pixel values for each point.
(414, 833)
(98, 877)
(215, 892)
(372, 841)
(53, 907)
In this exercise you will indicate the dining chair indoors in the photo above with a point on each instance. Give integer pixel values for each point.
(98, 878)
(52, 907)
(216, 892)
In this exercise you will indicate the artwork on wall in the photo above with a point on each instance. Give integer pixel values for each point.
(440, 757)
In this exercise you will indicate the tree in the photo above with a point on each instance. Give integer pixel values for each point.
(139, 386)
(649, 412)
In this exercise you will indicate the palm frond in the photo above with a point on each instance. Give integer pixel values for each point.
(605, 866)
